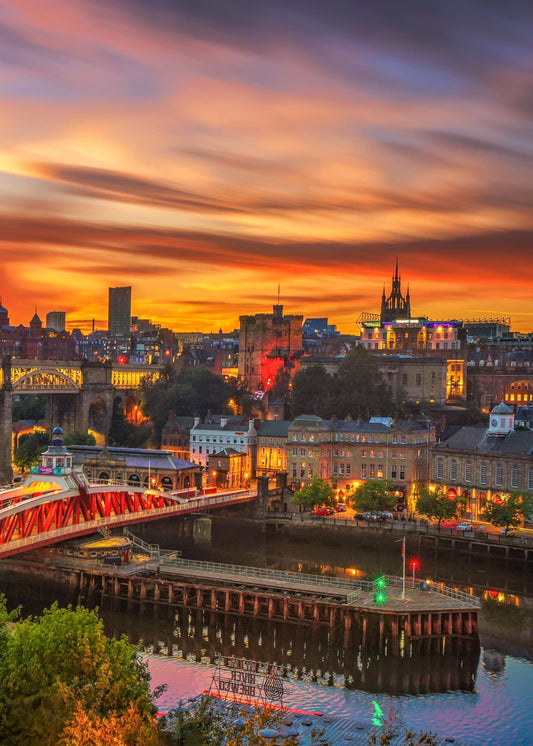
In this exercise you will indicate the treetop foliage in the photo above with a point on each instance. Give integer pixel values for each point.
(436, 503)
(374, 495)
(317, 492)
(358, 391)
(60, 668)
(512, 509)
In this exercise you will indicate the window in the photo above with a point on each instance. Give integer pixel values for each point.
(404, 379)
(334, 468)
(302, 451)
(394, 453)
(498, 475)
(341, 469)
(364, 454)
(394, 438)
(402, 438)
(514, 477)
(380, 471)
(483, 472)
(372, 454)
(294, 451)
(394, 471)
(453, 470)
(348, 469)
(294, 470)
(530, 479)
(372, 471)
(402, 473)
(363, 471)
(418, 379)
(439, 469)
(468, 471)
(402, 455)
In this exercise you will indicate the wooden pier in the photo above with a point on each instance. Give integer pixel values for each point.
(433, 614)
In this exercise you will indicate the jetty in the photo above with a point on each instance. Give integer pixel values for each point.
(386, 613)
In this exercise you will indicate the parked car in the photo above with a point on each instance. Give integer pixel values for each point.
(387, 515)
(464, 526)
(507, 531)
(340, 507)
(322, 511)
(359, 517)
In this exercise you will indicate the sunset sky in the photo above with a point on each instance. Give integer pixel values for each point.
(204, 151)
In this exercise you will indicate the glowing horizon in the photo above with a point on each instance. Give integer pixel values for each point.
(203, 157)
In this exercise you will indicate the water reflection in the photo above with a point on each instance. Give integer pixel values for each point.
(308, 652)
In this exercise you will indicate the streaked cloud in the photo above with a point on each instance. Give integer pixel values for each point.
(202, 152)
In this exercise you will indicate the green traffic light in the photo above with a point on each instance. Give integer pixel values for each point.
(380, 582)
(380, 597)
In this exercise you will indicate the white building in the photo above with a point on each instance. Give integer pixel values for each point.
(207, 439)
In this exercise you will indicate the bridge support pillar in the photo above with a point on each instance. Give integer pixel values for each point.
(6, 423)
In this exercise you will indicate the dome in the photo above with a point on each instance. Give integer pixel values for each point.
(502, 408)
(57, 431)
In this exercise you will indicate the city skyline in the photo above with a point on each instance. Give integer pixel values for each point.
(203, 155)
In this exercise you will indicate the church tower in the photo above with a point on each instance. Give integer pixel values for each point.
(396, 306)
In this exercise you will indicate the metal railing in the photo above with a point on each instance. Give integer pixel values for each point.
(152, 550)
(352, 588)
(259, 573)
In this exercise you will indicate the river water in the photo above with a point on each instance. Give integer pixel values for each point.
(476, 696)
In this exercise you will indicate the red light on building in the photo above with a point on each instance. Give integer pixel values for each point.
(122, 359)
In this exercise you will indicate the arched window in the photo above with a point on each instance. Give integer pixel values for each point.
(103, 475)
(187, 483)
(134, 479)
(166, 483)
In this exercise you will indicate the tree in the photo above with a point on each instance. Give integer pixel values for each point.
(374, 495)
(196, 391)
(360, 390)
(90, 729)
(511, 511)
(29, 408)
(312, 392)
(436, 504)
(51, 665)
(79, 439)
(318, 492)
(28, 452)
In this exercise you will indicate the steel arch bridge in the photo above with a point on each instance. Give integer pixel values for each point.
(29, 522)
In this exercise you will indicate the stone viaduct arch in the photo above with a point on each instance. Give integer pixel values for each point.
(80, 394)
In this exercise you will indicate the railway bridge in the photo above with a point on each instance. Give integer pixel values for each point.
(80, 395)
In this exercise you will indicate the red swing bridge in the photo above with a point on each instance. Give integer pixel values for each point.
(57, 502)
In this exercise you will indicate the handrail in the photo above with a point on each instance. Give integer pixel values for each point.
(152, 549)
(352, 587)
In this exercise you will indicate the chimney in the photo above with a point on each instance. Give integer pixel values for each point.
(196, 421)
(223, 421)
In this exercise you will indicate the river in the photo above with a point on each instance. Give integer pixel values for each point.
(488, 702)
